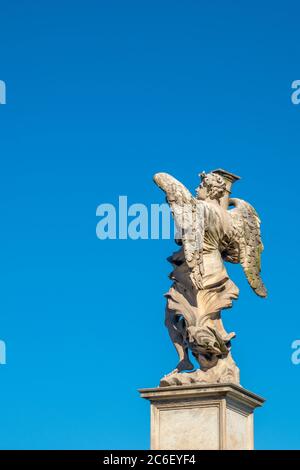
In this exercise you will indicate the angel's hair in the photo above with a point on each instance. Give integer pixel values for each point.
(215, 185)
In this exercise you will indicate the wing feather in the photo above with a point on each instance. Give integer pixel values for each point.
(246, 224)
(188, 214)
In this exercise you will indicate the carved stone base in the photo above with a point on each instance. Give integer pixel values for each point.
(201, 417)
(226, 371)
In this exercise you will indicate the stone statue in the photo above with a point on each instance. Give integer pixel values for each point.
(208, 233)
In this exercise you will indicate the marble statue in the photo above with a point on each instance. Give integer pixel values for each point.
(211, 228)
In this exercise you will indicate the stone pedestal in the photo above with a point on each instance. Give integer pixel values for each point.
(198, 417)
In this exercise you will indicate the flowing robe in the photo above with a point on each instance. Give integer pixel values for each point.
(198, 311)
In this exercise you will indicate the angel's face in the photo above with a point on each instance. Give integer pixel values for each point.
(201, 192)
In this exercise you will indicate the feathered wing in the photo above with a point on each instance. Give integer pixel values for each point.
(188, 214)
(246, 224)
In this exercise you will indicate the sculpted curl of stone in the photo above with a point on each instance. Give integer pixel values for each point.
(209, 232)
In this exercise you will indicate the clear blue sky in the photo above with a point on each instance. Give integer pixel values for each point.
(101, 95)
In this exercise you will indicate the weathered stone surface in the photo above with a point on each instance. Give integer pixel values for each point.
(197, 417)
(208, 233)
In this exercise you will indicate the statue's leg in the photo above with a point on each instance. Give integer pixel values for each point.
(171, 322)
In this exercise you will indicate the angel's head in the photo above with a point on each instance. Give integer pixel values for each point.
(212, 186)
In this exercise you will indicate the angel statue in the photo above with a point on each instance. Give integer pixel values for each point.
(208, 233)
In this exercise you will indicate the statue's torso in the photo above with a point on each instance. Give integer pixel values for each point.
(217, 235)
